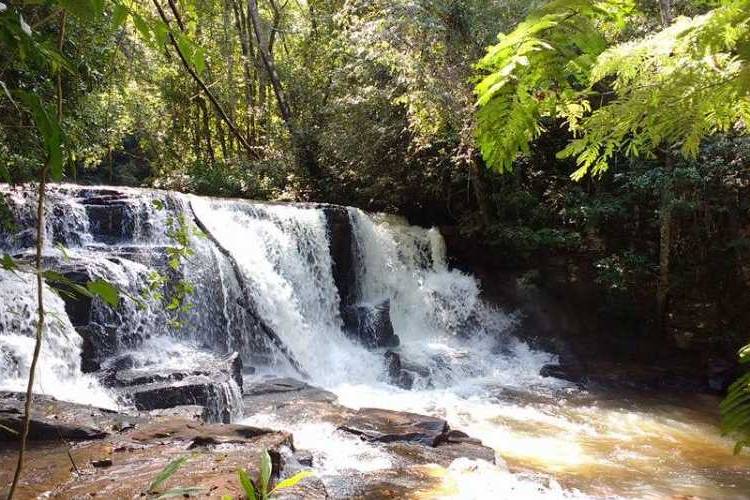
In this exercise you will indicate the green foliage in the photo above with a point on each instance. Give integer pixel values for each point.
(672, 89)
(104, 290)
(735, 408)
(261, 491)
(174, 294)
(541, 71)
(168, 471)
(100, 288)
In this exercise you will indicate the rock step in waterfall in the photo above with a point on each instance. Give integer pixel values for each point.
(323, 292)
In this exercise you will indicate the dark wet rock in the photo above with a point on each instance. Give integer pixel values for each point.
(293, 401)
(443, 454)
(223, 369)
(192, 390)
(396, 374)
(570, 373)
(304, 458)
(52, 419)
(283, 390)
(386, 426)
(370, 324)
(158, 388)
(137, 456)
(341, 245)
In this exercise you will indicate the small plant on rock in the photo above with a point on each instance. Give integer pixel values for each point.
(260, 490)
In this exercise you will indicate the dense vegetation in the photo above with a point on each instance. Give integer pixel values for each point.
(402, 105)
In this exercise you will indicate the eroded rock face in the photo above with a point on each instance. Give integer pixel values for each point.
(152, 388)
(342, 253)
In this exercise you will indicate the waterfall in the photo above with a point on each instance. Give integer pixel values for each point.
(267, 285)
(58, 373)
(283, 252)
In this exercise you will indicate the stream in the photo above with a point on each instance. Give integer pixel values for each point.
(275, 265)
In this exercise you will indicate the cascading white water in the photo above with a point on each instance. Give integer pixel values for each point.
(58, 370)
(284, 256)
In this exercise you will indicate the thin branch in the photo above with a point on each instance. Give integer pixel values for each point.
(39, 285)
(220, 110)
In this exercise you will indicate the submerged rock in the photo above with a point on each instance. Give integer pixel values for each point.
(370, 324)
(396, 374)
(386, 426)
(409, 438)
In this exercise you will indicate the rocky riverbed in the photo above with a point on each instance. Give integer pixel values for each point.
(79, 451)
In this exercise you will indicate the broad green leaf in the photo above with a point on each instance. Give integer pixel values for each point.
(292, 481)
(55, 162)
(167, 472)
(744, 354)
(72, 289)
(8, 263)
(63, 251)
(199, 59)
(119, 15)
(142, 26)
(48, 127)
(86, 10)
(105, 290)
(265, 471)
(247, 484)
(161, 31)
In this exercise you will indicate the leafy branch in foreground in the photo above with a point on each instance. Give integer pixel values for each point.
(735, 408)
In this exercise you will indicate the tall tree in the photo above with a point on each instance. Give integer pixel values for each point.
(303, 144)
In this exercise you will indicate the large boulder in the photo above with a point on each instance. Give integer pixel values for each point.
(210, 385)
(370, 324)
(386, 426)
(52, 420)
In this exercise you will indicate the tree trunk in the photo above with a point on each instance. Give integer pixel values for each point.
(665, 243)
(304, 146)
(219, 109)
(240, 21)
(206, 130)
(39, 283)
(665, 9)
(480, 193)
